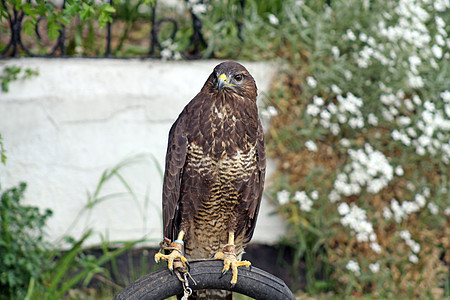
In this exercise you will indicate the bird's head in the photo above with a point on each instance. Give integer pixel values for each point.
(232, 78)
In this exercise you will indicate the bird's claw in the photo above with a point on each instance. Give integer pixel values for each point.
(174, 258)
(188, 265)
(230, 261)
(224, 272)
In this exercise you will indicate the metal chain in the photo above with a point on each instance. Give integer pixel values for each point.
(186, 288)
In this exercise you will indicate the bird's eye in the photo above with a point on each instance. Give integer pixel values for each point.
(238, 77)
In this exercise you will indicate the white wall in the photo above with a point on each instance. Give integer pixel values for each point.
(63, 128)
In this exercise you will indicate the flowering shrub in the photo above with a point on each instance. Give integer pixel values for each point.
(361, 131)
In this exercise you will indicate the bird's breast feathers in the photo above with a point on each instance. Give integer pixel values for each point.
(242, 161)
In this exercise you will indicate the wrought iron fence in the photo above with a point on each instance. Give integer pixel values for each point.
(16, 47)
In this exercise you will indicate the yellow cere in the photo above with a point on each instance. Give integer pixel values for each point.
(223, 77)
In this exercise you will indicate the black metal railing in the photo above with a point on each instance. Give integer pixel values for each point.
(15, 47)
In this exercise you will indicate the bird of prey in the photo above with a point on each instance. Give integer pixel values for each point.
(214, 173)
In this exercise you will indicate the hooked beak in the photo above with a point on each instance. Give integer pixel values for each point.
(222, 82)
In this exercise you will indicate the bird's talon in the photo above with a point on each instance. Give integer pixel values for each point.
(230, 261)
(188, 265)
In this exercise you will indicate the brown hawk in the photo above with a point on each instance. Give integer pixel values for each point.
(214, 175)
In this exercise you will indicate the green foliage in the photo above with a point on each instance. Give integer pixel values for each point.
(361, 133)
(55, 17)
(31, 268)
(24, 253)
(2, 151)
(13, 73)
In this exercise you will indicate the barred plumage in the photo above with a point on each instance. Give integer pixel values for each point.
(215, 165)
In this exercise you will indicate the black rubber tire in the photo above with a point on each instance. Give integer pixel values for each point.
(252, 282)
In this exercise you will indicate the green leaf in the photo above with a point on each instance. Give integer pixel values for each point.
(107, 8)
(28, 9)
(28, 27)
(53, 30)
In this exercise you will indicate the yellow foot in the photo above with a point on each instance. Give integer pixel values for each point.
(230, 260)
(175, 258)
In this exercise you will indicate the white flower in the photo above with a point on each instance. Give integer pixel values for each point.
(387, 214)
(355, 218)
(411, 132)
(269, 112)
(420, 200)
(356, 122)
(437, 51)
(325, 122)
(303, 200)
(306, 205)
(399, 171)
(445, 95)
(283, 197)
(199, 9)
(348, 75)
(420, 150)
(311, 146)
(166, 54)
(351, 103)
(428, 105)
(387, 115)
(404, 234)
(353, 266)
(311, 81)
(414, 81)
(333, 196)
(335, 89)
(397, 210)
(350, 35)
(426, 191)
(413, 258)
(434, 209)
(363, 37)
(318, 101)
(332, 108)
(415, 247)
(388, 99)
(375, 267)
(375, 247)
(416, 99)
(312, 110)
(410, 207)
(439, 40)
(409, 105)
(372, 119)
(325, 115)
(404, 121)
(410, 186)
(447, 211)
(273, 19)
(414, 61)
(345, 142)
(335, 51)
(334, 128)
(177, 56)
(315, 195)
(343, 208)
